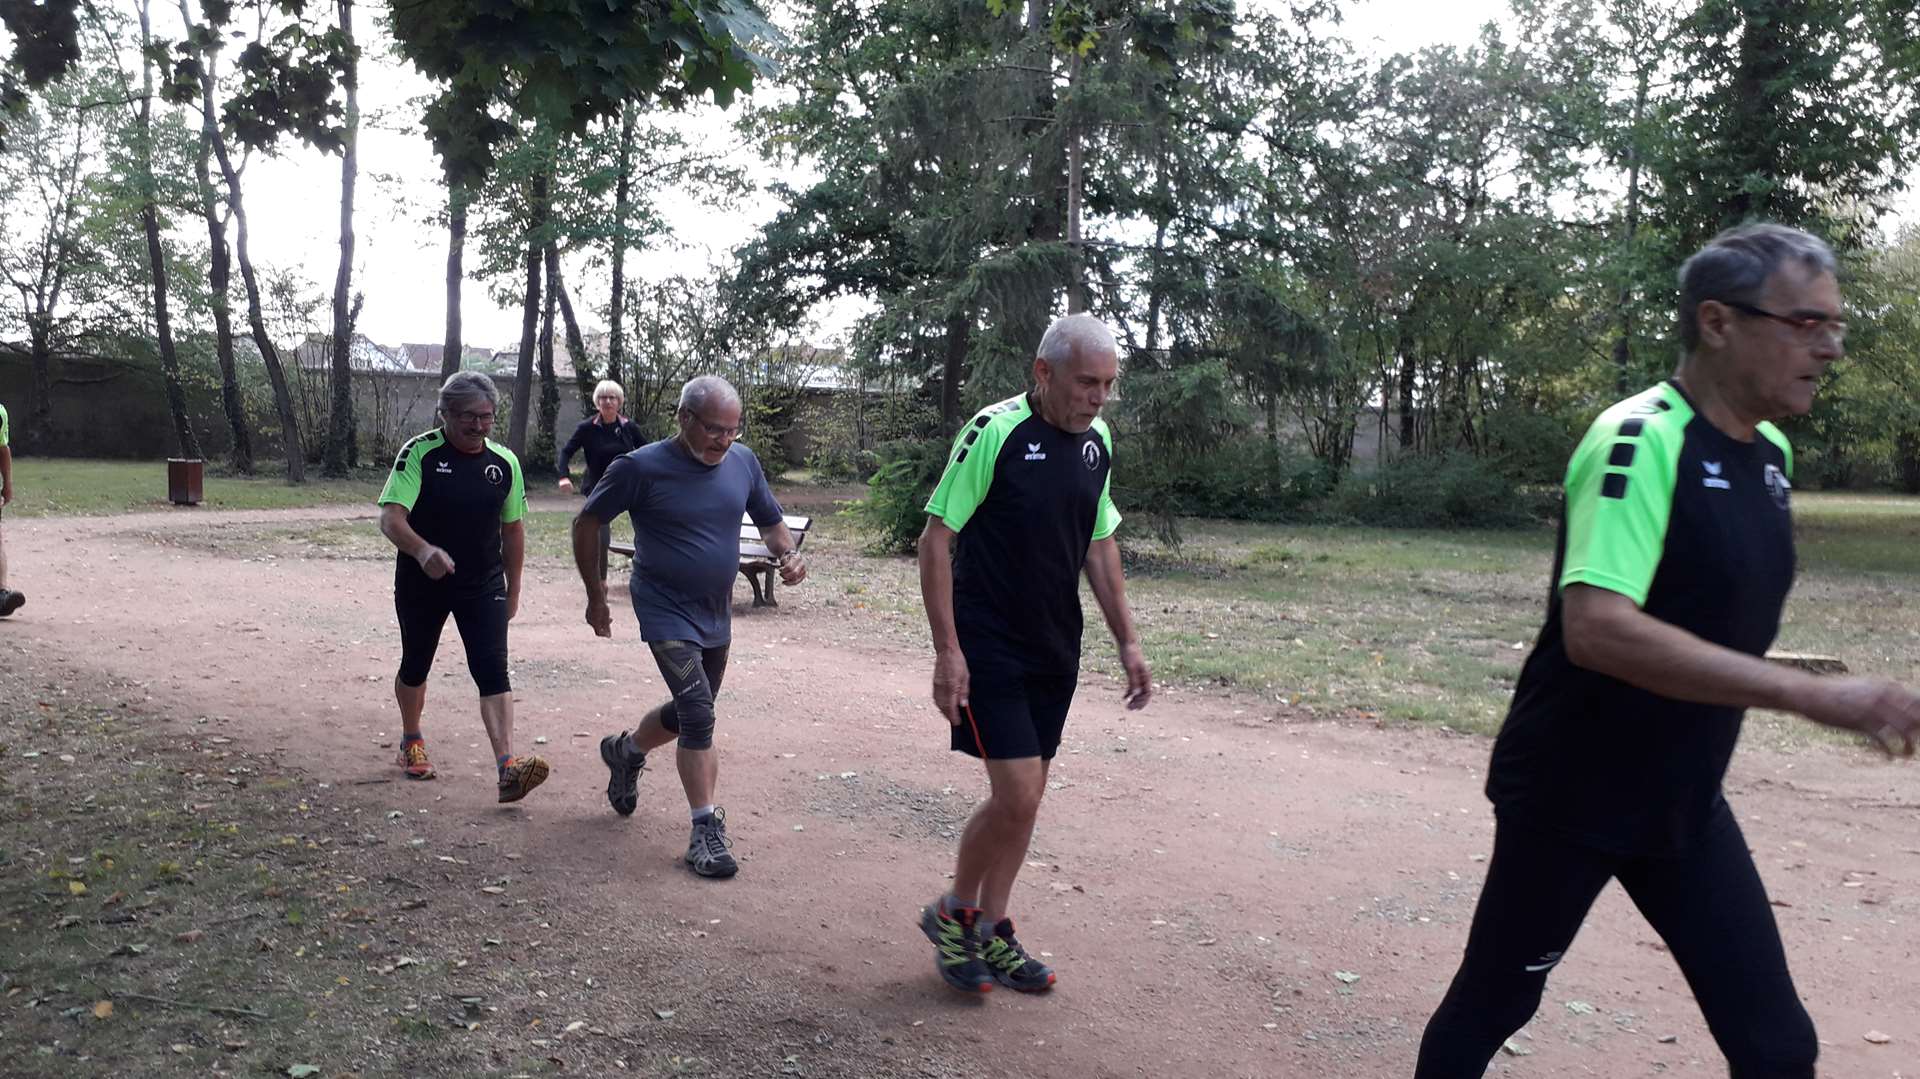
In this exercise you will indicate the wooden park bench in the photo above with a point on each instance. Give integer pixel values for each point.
(756, 562)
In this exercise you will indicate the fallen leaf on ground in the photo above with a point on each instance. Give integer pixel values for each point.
(103, 1010)
(191, 936)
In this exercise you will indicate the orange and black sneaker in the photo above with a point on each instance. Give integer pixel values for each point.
(520, 775)
(413, 759)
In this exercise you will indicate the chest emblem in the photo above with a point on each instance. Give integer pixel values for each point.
(495, 474)
(1033, 452)
(1713, 478)
(1779, 487)
(442, 468)
(1090, 453)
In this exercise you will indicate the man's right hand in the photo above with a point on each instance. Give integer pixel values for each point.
(950, 684)
(599, 617)
(435, 562)
(1884, 711)
(566, 483)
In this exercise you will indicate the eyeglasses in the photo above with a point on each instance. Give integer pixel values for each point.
(1808, 327)
(715, 430)
(484, 419)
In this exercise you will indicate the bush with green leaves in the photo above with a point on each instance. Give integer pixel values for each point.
(894, 511)
(1454, 491)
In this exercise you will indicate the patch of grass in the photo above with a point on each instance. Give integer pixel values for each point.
(60, 486)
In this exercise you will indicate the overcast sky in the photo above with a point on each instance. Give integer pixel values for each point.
(293, 200)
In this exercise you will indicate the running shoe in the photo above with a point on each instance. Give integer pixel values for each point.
(623, 766)
(413, 760)
(1010, 963)
(521, 775)
(956, 946)
(707, 847)
(11, 602)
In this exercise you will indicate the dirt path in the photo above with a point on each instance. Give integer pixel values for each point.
(1209, 876)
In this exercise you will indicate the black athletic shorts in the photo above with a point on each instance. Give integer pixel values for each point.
(422, 606)
(1014, 711)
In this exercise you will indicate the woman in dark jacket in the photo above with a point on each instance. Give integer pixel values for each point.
(603, 436)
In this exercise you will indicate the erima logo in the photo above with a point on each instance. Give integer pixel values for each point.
(443, 468)
(1713, 477)
(1033, 452)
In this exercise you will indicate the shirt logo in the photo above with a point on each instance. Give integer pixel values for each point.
(1778, 487)
(1713, 478)
(1090, 453)
(443, 468)
(495, 474)
(1033, 452)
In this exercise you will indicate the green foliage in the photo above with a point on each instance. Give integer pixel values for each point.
(894, 511)
(1247, 478)
(1455, 491)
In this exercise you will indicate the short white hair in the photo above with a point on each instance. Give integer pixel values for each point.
(609, 386)
(1074, 333)
(704, 390)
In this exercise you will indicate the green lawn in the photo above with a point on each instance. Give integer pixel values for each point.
(49, 486)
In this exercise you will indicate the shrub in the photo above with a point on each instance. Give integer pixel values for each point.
(894, 511)
(1456, 491)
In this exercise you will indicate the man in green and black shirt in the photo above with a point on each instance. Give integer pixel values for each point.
(454, 507)
(10, 601)
(1025, 505)
(1674, 560)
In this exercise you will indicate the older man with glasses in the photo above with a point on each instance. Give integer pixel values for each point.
(454, 507)
(685, 496)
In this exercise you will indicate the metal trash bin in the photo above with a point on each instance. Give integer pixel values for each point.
(184, 476)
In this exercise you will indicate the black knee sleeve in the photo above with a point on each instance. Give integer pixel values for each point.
(693, 721)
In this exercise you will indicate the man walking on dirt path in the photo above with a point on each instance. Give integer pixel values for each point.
(1674, 561)
(10, 601)
(454, 507)
(1025, 505)
(685, 496)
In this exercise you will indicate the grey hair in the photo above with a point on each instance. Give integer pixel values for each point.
(465, 386)
(699, 392)
(607, 384)
(1735, 265)
(1073, 333)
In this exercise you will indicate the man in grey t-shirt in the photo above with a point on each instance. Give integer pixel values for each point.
(685, 496)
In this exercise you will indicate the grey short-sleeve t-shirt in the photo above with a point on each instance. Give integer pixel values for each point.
(686, 534)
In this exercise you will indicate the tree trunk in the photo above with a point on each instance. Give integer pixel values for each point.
(1623, 311)
(40, 410)
(156, 254)
(452, 351)
(529, 324)
(1407, 426)
(584, 377)
(220, 267)
(952, 367)
(276, 375)
(340, 436)
(622, 201)
(545, 449)
(1077, 276)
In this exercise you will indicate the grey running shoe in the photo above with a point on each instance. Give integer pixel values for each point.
(1010, 963)
(11, 602)
(624, 767)
(956, 946)
(707, 847)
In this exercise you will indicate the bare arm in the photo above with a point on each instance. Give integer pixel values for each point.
(399, 530)
(1110, 591)
(513, 553)
(586, 559)
(1606, 632)
(786, 552)
(6, 475)
(950, 677)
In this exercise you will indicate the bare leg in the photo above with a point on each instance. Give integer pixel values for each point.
(995, 842)
(699, 774)
(496, 713)
(3, 567)
(412, 701)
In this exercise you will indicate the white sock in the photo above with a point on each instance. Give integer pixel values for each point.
(702, 811)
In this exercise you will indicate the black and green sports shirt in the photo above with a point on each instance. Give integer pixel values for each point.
(1693, 526)
(1025, 498)
(457, 502)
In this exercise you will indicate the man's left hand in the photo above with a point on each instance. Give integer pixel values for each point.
(1139, 679)
(793, 569)
(513, 604)
(6, 494)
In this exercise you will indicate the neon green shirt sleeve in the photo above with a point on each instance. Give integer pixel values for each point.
(515, 507)
(1619, 497)
(403, 483)
(963, 486)
(6, 429)
(1106, 519)
(1772, 433)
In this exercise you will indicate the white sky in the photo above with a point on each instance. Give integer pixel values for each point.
(293, 200)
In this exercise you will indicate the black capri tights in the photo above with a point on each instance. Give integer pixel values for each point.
(693, 676)
(1708, 905)
(482, 620)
